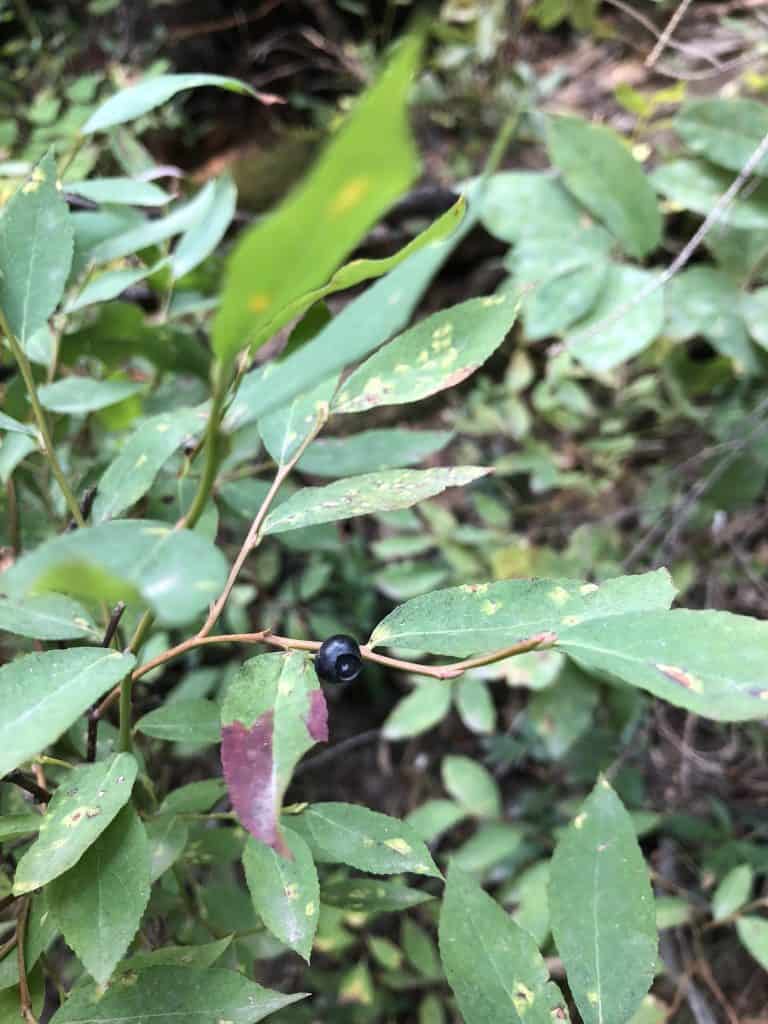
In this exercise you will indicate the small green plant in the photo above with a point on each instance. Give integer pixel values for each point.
(137, 455)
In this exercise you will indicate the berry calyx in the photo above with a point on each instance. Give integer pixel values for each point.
(339, 659)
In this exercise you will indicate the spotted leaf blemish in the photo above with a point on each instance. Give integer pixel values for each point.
(349, 196)
(559, 595)
(679, 675)
(399, 846)
(258, 302)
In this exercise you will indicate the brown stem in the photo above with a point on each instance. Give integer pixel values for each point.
(94, 715)
(253, 538)
(41, 795)
(458, 668)
(25, 998)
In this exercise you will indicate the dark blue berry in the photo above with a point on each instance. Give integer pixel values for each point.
(339, 660)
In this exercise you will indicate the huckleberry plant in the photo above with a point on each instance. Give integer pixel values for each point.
(109, 601)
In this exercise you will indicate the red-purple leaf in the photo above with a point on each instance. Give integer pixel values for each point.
(273, 713)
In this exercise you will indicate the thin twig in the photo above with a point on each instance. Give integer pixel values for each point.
(93, 714)
(25, 998)
(42, 424)
(41, 795)
(666, 34)
(253, 537)
(692, 51)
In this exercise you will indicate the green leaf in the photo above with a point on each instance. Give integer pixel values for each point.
(349, 834)
(420, 949)
(36, 241)
(135, 100)
(371, 451)
(732, 892)
(131, 474)
(77, 396)
(98, 904)
(361, 326)
(754, 308)
(41, 931)
(13, 450)
(361, 495)
(79, 811)
(425, 706)
(560, 276)
(435, 817)
(194, 798)
(177, 573)
(520, 205)
(561, 714)
(372, 895)
(493, 966)
(120, 191)
(285, 892)
(182, 217)
(472, 786)
(685, 657)
(198, 995)
(273, 712)
(204, 955)
(726, 132)
(753, 932)
(696, 185)
(630, 333)
(12, 425)
(494, 842)
(369, 163)
(167, 838)
(183, 721)
(437, 353)
(48, 617)
(705, 301)
(285, 430)
(14, 825)
(43, 694)
(601, 172)
(602, 910)
(531, 893)
(202, 237)
(119, 331)
(475, 705)
(474, 618)
(109, 285)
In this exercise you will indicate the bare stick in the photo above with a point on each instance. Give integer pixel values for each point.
(253, 538)
(38, 793)
(25, 998)
(45, 440)
(93, 714)
(665, 36)
(714, 215)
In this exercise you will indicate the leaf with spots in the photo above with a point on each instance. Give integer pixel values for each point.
(176, 573)
(712, 663)
(284, 430)
(361, 495)
(602, 173)
(193, 994)
(493, 966)
(368, 164)
(273, 712)
(285, 892)
(132, 472)
(82, 807)
(36, 243)
(439, 352)
(360, 327)
(43, 694)
(602, 910)
(47, 617)
(340, 833)
(475, 618)
(98, 904)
